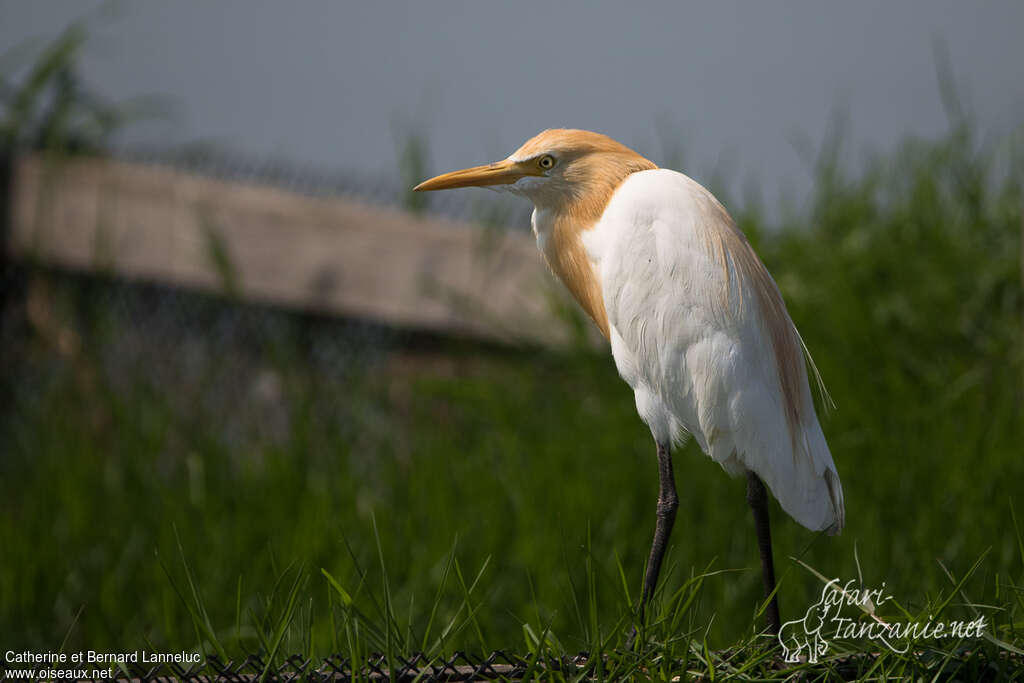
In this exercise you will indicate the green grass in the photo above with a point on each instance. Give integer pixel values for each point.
(163, 489)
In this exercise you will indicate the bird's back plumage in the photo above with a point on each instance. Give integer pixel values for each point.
(700, 332)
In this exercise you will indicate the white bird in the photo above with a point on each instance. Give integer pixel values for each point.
(697, 326)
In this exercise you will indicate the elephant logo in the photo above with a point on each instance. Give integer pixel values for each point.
(803, 636)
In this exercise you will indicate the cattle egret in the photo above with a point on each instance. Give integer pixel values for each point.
(697, 326)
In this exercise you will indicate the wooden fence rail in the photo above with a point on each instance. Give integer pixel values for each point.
(268, 245)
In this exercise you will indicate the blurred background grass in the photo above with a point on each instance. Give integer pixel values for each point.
(143, 427)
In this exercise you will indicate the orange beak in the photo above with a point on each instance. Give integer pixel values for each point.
(499, 173)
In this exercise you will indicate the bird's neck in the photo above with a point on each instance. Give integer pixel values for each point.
(559, 238)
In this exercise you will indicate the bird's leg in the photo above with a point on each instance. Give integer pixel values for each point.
(668, 502)
(757, 497)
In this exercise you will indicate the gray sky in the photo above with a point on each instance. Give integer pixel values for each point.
(328, 82)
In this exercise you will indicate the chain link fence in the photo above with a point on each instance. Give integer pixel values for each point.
(460, 666)
(217, 359)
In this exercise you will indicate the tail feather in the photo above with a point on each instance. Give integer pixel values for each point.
(807, 485)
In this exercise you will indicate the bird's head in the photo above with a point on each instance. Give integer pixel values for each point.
(556, 169)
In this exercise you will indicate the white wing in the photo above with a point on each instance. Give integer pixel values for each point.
(699, 331)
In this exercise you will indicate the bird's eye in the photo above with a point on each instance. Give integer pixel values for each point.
(547, 161)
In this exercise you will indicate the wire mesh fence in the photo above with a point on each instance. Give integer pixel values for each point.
(212, 360)
(460, 666)
(215, 358)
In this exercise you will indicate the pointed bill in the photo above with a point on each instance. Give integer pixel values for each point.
(499, 173)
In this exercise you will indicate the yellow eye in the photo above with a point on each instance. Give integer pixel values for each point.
(547, 161)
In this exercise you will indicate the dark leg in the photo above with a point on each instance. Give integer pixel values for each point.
(668, 503)
(757, 497)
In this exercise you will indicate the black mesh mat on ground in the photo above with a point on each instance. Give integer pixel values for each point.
(459, 667)
(504, 666)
